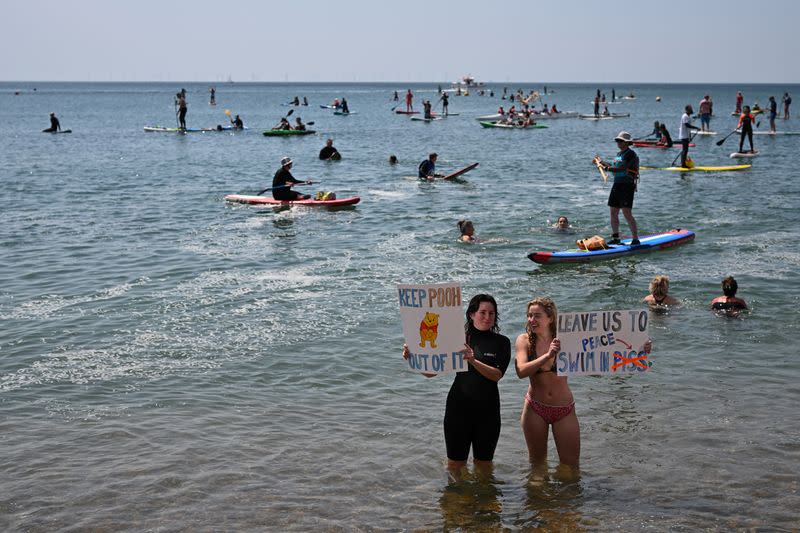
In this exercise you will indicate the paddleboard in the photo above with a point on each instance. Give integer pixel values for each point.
(699, 169)
(62, 131)
(705, 133)
(225, 128)
(511, 126)
(609, 102)
(162, 129)
(343, 113)
(426, 119)
(662, 146)
(458, 173)
(649, 243)
(595, 117)
(330, 106)
(742, 155)
(287, 133)
(776, 133)
(401, 112)
(266, 200)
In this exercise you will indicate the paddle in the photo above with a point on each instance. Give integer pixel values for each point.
(603, 174)
(289, 114)
(309, 182)
(719, 142)
(679, 153)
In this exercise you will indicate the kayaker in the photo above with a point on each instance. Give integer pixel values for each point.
(182, 108)
(787, 101)
(625, 169)
(554, 110)
(739, 100)
(55, 125)
(659, 293)
(427, 169)
(472, 412)
(237, 122)
(328, 151)
(684, 132)
(213, 99)
(283, 125)
(666, 138)
(467, 230)
(409, 101)
(704, 111)
(299, 126)
(501, 111)
(728, 302)
(284, 181)
(343, 106)
(745, 124)
(773, 112)
(445, 104)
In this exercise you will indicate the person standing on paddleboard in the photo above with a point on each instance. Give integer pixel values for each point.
(705, 113)
(787, 101)
(409, 101)
(182, 108)
(445, 104)
(472, 412)
(626, 175)
(739, 101)
(427, 169)
(773, 112)
(746, 126)
(283, 181)
(684, 132)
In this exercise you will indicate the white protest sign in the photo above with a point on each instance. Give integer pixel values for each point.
(602, 342)
(433, 327)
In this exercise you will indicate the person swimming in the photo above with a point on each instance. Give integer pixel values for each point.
(659, 297)
(562, 223)
(728, 303)
(467, 230)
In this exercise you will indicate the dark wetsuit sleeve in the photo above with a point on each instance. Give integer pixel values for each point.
(426, 168)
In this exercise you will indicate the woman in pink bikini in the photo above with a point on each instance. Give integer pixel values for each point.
(549, 401)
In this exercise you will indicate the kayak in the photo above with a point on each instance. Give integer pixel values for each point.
(343, 113)
(741, 155)
(163, 129)
(458, 173)
(699, 169)
(426, 119)
(511, 126)
(654, 145)
(649, 243)
(286, 133)
(266, 200)
(401, 112)
(535, 116)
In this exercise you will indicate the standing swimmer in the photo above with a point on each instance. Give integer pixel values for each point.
(626, 175)
(746, 125)
(472, 412)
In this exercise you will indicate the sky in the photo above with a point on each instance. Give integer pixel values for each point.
(646, 41)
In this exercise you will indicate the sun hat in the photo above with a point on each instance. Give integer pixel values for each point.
(286, 161)
(624, 136)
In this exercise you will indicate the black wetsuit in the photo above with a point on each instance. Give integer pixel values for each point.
(747, 131)
(344, 108)
(666, 136)
(238, 124)
(472, 415)
(182, 112)
(328, 152)
(282, 177)
(55, 125)
(426, 168)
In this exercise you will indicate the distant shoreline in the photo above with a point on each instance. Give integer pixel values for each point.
(414, 83)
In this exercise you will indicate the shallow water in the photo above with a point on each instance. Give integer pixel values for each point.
(168, 362)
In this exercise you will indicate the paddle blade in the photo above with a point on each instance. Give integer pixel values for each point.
(719, 142)
(310, 123)
(290, 113)
(228, 112)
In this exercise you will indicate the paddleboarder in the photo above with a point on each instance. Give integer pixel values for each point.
(343, 106)
(787, 101)
(773, 112)
(739, 101)
(55, 125)
(666, 138)
(445, 104)
(409, 101)
(745, 124)
(213, 98)
(472, 412)
(182, 108)
(728, 302)
(284, 181)
(684, 132)
(427, 169)
(329, 152)
(704, 111)
(625, 169)
(426, 106)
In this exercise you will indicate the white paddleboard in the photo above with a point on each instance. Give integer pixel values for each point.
(744, 155)
(705, 133)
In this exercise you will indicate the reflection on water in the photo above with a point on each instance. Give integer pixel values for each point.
(553, 499)
(471, 502)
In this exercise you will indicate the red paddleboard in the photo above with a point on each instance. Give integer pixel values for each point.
(663, 146)
(264, 200)
(401, 112)
(457, 173)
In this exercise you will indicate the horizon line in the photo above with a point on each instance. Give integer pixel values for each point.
(484, 83)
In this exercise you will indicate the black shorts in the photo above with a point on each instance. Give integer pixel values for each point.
(621, 195)
(465, 427)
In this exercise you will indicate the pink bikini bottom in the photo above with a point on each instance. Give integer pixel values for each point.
(549, 413)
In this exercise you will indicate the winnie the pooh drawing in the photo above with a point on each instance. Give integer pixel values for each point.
(429, 330)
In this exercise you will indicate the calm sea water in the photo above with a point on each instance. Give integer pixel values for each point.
(169, 362)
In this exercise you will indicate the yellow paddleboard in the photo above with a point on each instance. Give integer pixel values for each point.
(699, 169)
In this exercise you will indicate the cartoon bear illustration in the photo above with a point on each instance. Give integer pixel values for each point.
(429, 330)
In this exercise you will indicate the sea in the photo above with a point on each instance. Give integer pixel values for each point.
(171, 362)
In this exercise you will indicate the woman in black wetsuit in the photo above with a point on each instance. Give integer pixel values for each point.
(472, 414)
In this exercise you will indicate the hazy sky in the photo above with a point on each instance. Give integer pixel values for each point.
(408, 40)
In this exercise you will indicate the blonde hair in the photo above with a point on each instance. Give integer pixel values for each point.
(551, 311)
(659, 286)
